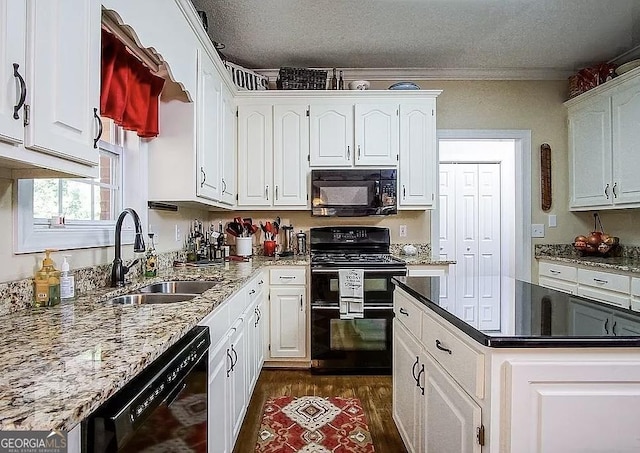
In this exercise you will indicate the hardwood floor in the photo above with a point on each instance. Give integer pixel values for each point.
(374, 392)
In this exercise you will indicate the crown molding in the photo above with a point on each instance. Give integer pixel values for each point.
(402, 74)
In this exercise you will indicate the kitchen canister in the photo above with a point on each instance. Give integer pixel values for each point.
(244, 246)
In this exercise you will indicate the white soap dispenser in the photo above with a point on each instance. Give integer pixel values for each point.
(67, 281)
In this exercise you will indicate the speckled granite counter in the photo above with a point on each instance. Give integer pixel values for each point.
(422, 259)
(59, 364)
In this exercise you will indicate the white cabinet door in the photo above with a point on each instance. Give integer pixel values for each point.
(255, 155)
(12, 53)
(418, 161)
(228, 148)
(590, 153)
(238, 391)
(208, 136)
(376, 132)
(290, 155)
(63, 78)
(408, 400)
(548, 400)
(331, 131)
(626, 143)
(451, 417)
(288, 322)
(219, 422)
(623, 326)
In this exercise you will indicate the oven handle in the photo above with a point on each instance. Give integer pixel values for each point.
(392, 271)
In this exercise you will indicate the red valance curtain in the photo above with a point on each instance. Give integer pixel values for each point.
(128, 92)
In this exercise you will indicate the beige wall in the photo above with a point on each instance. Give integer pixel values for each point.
(533, 105)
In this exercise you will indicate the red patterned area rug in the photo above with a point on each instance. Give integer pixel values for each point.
(312, 424)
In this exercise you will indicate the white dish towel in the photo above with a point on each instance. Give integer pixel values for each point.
(351, 284)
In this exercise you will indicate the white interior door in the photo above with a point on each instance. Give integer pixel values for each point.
(470, 234)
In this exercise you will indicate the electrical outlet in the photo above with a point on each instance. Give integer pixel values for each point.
(553, 221)
(537, 230)
(178, 234)
(403, 231)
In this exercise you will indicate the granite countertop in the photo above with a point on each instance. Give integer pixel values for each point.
(540, 317)
(58, 364)
(422, 259)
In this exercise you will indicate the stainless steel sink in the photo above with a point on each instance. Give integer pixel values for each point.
(150, 298)
(179, 287)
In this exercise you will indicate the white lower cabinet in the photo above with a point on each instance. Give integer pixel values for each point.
(287, 313)
(432, 411)
(408, 401)
(219, 439)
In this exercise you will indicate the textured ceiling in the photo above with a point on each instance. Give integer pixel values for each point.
(454, 34)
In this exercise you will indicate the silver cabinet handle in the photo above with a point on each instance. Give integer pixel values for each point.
(413, 370)
(23, 92)
(418, 380)
(602, 282)
(403, 311)
(554, 272)
(300, 302)
(606, 191)
(287, 277)
(253, 291)
(359, 153)
(276, 192)
(615, 192)
(266, 191)
(404, 192)
(613, 328)
(606, 326)
(204, 176)
(348, 153)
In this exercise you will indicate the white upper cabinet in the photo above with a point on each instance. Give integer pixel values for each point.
(418, 159)
(331, 129)
(49, 90)
(626, 143)
(344, 135)
(255, 155)
(376, 133)
(604, 145)
(12, 57)
(290, 155)
(208, 129)
(228, 151)
(63, 78)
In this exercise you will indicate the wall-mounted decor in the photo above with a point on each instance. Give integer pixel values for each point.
(545, 176)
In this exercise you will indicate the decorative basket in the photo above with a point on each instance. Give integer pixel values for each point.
(597, 242)
(301, 79)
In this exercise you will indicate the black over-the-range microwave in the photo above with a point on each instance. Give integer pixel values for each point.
(352, 193)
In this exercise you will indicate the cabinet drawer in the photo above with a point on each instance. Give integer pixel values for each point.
(463, 363)
(407, 312)
(635, 286)
(604, 280)
(635, 303)
(218, 323)
(558, 285)
(558, 271)
(608, 297)
(288, 276)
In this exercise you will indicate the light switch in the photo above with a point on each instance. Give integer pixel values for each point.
(537, 230)
(553, 221)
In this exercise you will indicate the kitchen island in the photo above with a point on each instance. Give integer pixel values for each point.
(561, 374)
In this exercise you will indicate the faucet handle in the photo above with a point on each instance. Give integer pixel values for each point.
(126, 268)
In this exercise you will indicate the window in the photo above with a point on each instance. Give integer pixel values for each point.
(89, 206)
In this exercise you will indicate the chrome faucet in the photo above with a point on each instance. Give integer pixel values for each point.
(118, 270)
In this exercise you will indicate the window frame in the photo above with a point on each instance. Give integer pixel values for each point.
(34, 236)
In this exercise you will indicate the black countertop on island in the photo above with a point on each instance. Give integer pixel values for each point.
(539, 317)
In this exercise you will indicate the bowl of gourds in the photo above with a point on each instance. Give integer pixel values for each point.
(596, 242)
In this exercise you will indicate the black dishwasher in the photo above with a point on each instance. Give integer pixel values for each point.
(164, 408)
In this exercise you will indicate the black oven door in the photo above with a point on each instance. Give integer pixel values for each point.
(352, 345)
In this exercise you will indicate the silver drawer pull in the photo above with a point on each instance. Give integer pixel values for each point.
(287, 277)
(602, 282)
(403, 311)
(442, 348)
(554, 272)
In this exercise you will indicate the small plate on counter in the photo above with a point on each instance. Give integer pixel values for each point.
(627, 66)
(404, 86)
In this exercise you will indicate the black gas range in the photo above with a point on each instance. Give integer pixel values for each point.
(361, 345)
